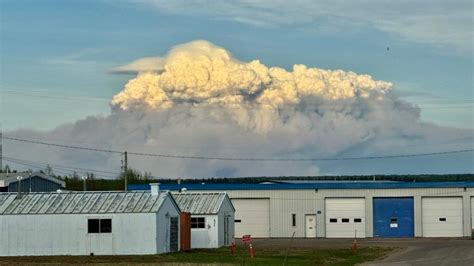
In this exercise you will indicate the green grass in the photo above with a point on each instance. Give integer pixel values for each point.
(276, 257)
(221, 256)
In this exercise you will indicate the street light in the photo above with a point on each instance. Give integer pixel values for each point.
(19, 178)
(84, 178)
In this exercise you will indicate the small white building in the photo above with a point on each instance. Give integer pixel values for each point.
(212, 218)
(88, 223)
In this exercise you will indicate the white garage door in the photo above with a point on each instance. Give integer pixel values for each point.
(472, 212)
(442, 217)
(345, 217)
(252, 217)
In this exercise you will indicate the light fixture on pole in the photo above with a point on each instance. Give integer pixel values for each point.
(84, 178)
(19, 178)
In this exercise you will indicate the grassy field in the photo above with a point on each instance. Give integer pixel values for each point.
(218, 257)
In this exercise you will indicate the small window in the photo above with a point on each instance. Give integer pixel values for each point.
(357, 220)
(106, 225)
(443, 219)
(393, 220)
(198, 222)
(96, 226)
(238, 221)
(293, 219)
(93, 226)
(333, 220)
(345, 220)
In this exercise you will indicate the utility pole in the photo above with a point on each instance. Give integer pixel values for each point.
(125, 168)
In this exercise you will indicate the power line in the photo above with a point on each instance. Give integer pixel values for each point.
(62, 166)
(241, 159)
(57, 168)
(62, 145)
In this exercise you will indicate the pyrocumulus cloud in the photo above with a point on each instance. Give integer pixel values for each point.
(200, 100)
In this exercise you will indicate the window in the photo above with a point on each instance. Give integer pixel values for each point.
(106, 225)
(93, 226)
(198, 222)
(238, 221)
(293, 219)
(345, 220)
(333, 220)
(96, 226)
(442, 219)
(357, 220)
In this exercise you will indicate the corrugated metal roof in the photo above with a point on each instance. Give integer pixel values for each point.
(330, 185)
(80, 202)
(199, 203)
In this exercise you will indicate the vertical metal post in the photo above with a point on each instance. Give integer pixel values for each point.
(125, 159)
(29, 178)
(19, 178)
(84, 178)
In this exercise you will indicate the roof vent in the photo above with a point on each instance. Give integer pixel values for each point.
(155, 189)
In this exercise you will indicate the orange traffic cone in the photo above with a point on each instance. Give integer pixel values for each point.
(232, 247)
(251, 252)
(354, 245)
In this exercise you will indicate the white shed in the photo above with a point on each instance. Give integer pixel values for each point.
(212, 218)
(88, 223)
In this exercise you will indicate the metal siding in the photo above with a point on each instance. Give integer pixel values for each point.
(401, 209)
(37, 185)
(66, 234)
(308, 201)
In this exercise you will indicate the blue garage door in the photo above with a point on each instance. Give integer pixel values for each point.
(393, 217)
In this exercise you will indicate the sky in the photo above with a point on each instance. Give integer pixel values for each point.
(67, 48)
(57, 57)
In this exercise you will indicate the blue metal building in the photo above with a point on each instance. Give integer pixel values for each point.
(29, 182)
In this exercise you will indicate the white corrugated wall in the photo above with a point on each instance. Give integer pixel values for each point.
(284, 203)
(66, 234)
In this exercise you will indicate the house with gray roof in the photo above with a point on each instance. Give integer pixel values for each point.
(29, 182)
(88, 223)
(212, 217)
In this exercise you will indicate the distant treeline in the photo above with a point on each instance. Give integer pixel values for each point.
(118, 184)
(97, 183)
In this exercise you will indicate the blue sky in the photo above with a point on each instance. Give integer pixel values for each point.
(56, 55)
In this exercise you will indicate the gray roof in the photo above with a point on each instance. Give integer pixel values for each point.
(6, 179)
(80, 202)
(200, 202)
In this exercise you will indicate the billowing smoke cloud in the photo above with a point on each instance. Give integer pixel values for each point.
(199, 100)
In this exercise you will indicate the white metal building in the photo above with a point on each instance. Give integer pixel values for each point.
(349, 209)
(212, 217)
(86, 223)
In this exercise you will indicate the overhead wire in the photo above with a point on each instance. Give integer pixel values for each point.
(198, 157)
(58, 168)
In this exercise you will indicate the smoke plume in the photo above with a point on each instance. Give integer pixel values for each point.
(198, 100)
